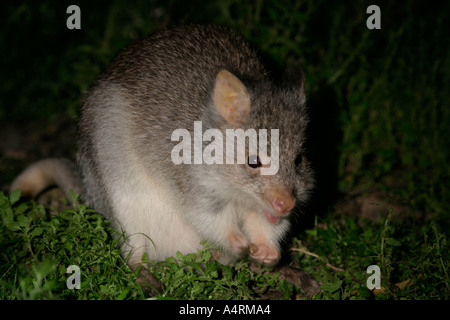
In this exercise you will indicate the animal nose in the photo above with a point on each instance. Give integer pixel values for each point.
(283, 202)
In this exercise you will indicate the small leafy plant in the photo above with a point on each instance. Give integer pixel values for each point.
(36, 249)
(197, 276)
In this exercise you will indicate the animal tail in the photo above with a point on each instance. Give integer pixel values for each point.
(49, 172)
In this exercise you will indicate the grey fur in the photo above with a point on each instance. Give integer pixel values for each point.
(165, 82)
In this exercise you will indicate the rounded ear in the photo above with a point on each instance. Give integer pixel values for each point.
(231, 98)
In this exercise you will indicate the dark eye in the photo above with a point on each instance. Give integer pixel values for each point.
(298, 160)
(254, 162)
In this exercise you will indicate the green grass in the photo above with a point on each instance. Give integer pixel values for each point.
(419, 255)
(37, 248)
(380, 124)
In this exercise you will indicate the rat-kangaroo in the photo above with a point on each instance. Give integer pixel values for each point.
(172, 80)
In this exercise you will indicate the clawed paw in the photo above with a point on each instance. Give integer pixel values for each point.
(264, 253)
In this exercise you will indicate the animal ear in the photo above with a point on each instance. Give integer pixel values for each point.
(231, 98)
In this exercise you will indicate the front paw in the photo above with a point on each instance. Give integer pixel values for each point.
(264, 253)
(238, 244)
